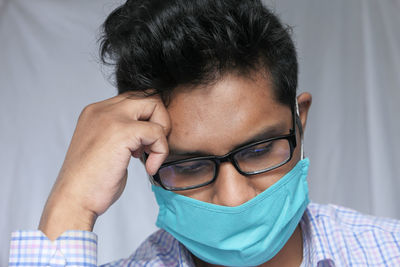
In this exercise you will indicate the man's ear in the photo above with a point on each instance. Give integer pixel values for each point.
(304, 101)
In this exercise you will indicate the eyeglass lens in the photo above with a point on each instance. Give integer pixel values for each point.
(259, 157)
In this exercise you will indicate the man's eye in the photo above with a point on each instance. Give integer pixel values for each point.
(256, 152)
(187, 168)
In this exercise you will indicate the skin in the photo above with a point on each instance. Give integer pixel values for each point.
(211, 119)
(217, 119)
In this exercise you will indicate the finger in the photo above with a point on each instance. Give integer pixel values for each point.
(150, 137)
(115, 99)
(154, 162)
(148, 109)
(160, 116)
(132, 95)
(158, 152)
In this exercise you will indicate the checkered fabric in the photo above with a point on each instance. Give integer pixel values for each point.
(332, 236)
(72, 248)
(337, 236)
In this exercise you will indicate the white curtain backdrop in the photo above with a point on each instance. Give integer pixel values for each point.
(49, 71)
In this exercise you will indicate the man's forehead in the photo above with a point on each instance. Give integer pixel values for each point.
(225, 114)
(267, 132)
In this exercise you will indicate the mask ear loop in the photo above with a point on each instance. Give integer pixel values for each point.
(301, 135)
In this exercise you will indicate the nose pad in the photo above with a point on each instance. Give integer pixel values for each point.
(232, 188)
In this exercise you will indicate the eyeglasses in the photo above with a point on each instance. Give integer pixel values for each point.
(251, 159)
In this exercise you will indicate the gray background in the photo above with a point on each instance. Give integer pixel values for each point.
(49, 70)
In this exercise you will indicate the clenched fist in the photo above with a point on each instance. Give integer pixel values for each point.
(94, 173)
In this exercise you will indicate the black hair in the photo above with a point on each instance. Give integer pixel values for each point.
(162, 44)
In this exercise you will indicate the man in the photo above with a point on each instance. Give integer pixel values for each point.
(208, 103)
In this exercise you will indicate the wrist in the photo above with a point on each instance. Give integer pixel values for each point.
(61, 214)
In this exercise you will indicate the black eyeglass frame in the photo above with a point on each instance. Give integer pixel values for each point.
(291, 137)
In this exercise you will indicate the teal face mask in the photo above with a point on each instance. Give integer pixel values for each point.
(245, 235)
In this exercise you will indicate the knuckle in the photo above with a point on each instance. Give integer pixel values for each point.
(158, 129)
(113, 126)
(100, 118)
(90, 107)
(115, 131)
(168, 124)
(165, 146)
(88, 110)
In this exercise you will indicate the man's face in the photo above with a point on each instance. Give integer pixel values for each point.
(216, 119)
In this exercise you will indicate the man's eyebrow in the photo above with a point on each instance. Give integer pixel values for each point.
(266, 133)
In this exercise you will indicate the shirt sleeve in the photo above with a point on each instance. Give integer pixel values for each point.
(72, 248)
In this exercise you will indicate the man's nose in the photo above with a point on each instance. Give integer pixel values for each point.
(232, 188)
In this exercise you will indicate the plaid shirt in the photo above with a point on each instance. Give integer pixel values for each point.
(332, 236)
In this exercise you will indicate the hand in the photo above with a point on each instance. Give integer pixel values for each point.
(94, 172)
